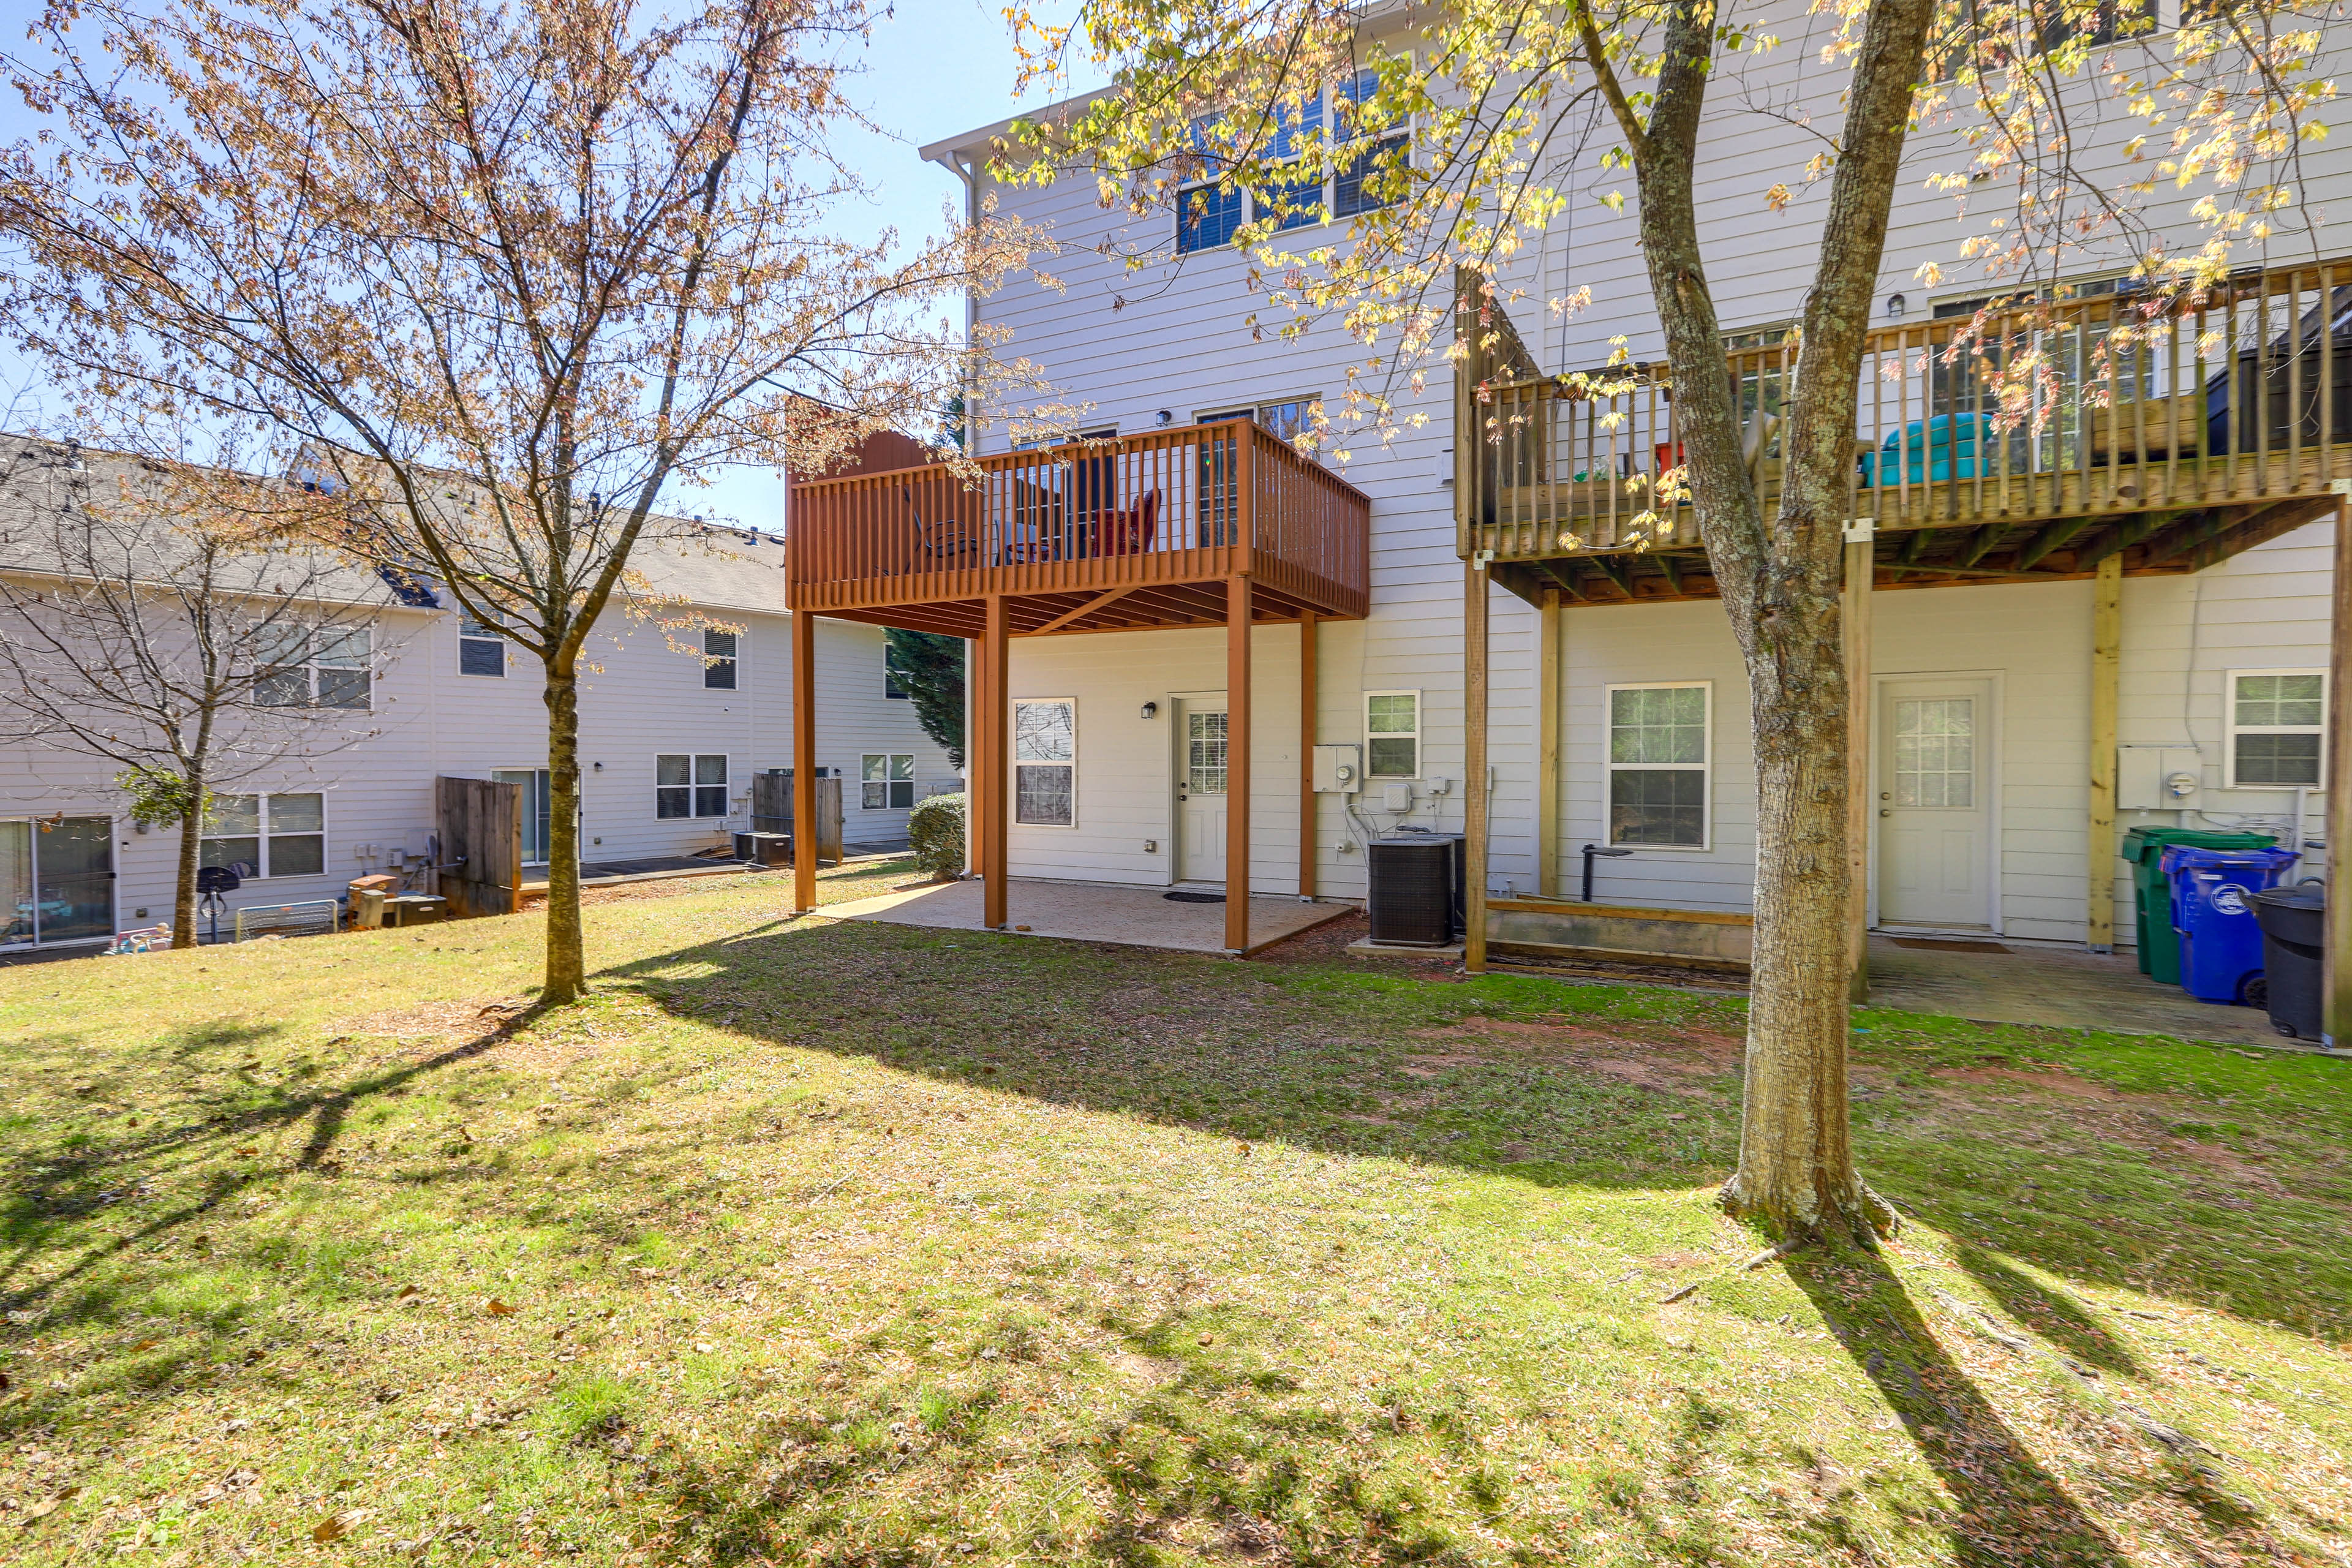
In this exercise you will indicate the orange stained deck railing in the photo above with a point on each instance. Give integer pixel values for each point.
(1154, 517)
(2048, 408)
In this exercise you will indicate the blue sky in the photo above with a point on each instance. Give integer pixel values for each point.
(933, 68)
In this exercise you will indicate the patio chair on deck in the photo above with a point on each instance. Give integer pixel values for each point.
(1128, 532)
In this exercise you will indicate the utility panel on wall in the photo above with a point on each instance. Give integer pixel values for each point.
(2158, 778)
(1338, 770)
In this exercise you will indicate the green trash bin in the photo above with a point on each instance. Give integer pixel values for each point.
(2158, 944)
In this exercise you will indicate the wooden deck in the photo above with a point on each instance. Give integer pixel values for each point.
(2028, 446)
(1114, 535)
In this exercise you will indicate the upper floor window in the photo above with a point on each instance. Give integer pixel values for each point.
(315, 666)
(1327, 157)
(717, 659)
(480, 649)
(1287, 418)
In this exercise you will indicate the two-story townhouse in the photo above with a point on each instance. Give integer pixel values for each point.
(688, 694)
(2118, 617)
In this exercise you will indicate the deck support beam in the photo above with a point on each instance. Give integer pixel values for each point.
(1474, 768)
(2336, 1015)
(2107, 670)
(1308, 686)
(1237, 765)
(804, 833)
(1548, 745)
(1853, 621)
(993, 773)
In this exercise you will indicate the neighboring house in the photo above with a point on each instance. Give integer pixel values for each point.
(1616, 707)
(673, 725)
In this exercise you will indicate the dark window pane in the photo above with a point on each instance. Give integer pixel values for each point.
(873, 796)
(673, 802)
(342, 687)
(303, 855)
(1041, 795)
(2278, 759)
(902, 793)
(1657, 807)
(1207, 217)
(1292, 203)
(1392, 759)
(477, 655)
(283, 688)
(711, 802)
(1370, 180)
(231, 852)
(672, 769)
(720, 675)
(711, 768)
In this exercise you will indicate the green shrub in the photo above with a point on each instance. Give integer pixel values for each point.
(935, 829)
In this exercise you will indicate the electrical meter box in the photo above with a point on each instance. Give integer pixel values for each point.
(2158, 778)
(1338, 770)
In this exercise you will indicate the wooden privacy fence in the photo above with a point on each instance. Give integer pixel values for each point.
(480, 827)
(771, 811)
(2117, 402)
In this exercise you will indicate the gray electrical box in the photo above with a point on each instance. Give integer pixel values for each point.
(2158, 778)
(1338, 770)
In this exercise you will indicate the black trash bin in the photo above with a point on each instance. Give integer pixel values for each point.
(2294, 935)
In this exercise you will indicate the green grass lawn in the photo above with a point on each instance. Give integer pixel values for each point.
(821, 1242)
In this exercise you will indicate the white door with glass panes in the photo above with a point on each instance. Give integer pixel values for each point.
(1200, 792)
(1934, 789)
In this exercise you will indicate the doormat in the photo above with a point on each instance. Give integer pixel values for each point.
(1946, 945)
(1183, 898)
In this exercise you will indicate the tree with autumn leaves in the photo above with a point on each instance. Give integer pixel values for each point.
(495, 278)
(1512, 106)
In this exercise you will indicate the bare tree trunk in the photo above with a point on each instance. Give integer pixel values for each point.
(1779, 589)
(183, 887)
(567, 974)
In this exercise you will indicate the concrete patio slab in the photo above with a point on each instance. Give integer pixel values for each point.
(2063, 987)
(1093, 911)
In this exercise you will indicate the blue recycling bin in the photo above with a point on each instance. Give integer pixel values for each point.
(2213, 909)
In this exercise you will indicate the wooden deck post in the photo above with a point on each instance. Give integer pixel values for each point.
(2336, 1018)
(2107, 669)
(1237, 764)
(1307, 638)
(1548, 746)
(1474, 764)
(1861, 564)
(804, 834)
(995, 771)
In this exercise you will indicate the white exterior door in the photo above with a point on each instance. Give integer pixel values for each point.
(1935, 805)
(1200, 793)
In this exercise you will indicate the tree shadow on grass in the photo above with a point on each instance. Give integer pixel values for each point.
(1372, 1064)
(2009, 1509)
(44, 1187)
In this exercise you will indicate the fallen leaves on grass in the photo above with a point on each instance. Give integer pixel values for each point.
(48, 1505)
